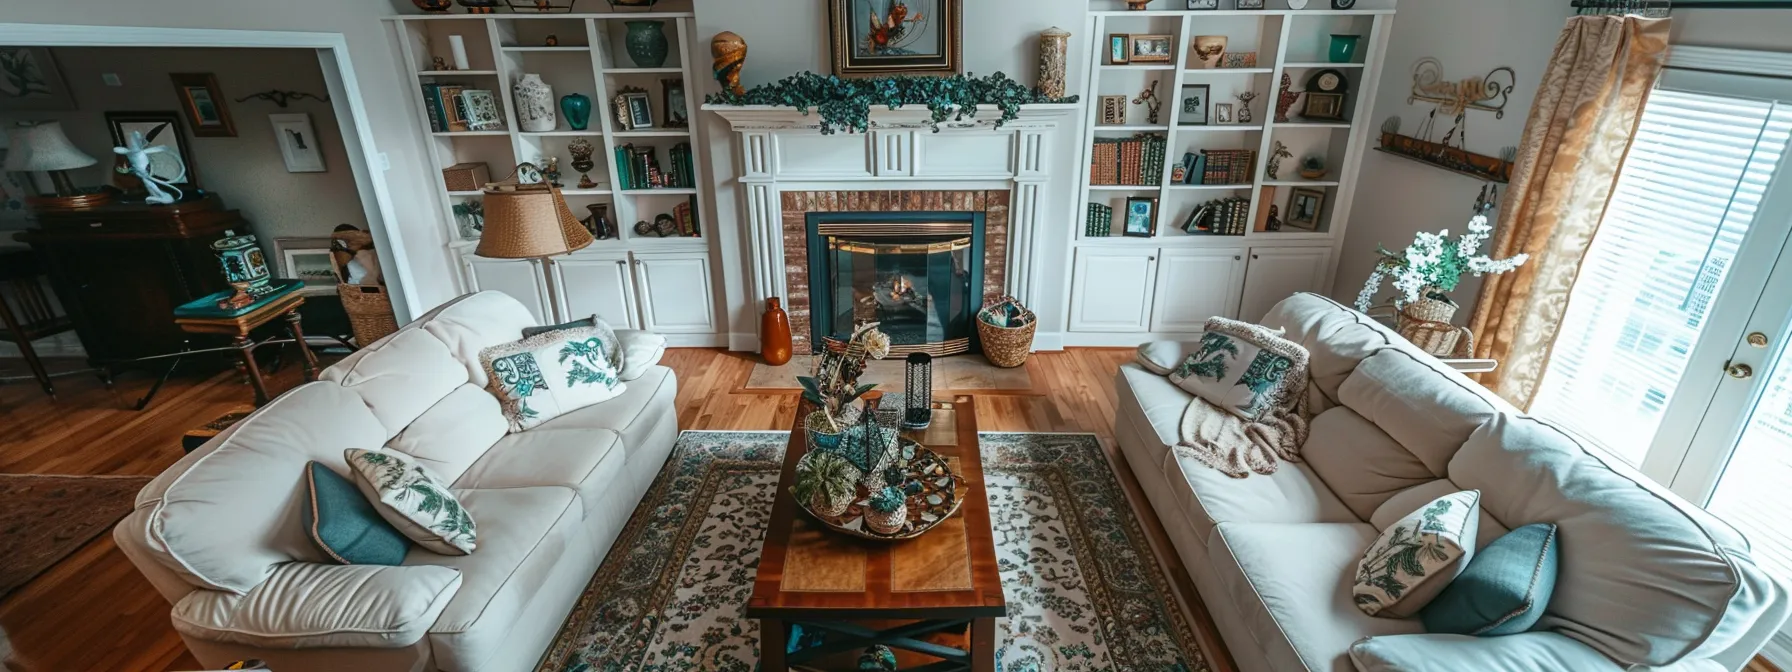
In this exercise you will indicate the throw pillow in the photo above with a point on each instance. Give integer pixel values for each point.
(1244, 368)
(1505, 588)
(612, 345)
(1418, 556)
(413, 500)
(1162, 357)
(541, 377)
(640, 350)
(342, 522)
(537, 331)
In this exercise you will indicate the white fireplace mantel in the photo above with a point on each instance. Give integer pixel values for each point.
(782, 149)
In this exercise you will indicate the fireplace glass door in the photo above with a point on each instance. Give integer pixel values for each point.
(917, 280)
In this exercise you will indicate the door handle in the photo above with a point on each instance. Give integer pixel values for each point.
(1739, 371)
(1757, 339)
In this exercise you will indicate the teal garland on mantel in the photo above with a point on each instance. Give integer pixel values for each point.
(846, 103)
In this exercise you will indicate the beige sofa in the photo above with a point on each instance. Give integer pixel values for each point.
(219, 533)
(1647, 581)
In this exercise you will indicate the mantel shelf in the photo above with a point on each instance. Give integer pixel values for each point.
(906, 116)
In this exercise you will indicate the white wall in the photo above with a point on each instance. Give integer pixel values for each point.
(246, 171)
(785, 37)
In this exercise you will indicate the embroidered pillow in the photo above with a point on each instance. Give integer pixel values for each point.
(543, 376)
(612, 344)
(1244, 368)
(1418, 556)
(345, 524)
(413, 500)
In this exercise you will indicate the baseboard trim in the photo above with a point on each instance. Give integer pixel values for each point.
(1119, 339)
(696, 340)
(743, 342)
(1048, 341)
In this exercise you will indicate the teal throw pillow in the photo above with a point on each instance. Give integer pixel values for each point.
(345, 525)
(1505, 588)
(536, 331)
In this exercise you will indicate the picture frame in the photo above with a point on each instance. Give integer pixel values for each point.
(33, 82)
(1193, 105)
(1203, 4)
(1141, 216)
(926, 37)
(1117, 49)
(159, 129)
(672, 100)
(619, 106)
(299, 145)
(208, 113)
(1323, 106)
(1222, 113)
(307, 259)
(1250, 4)
(640, 110)
(1304, 207)
(1150, 48)
(1113, 110)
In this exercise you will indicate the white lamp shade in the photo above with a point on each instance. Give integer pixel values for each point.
(44, 147)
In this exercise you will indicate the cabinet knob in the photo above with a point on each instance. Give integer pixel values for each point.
(1150, 258)
(1237, 257)
(1255, 257)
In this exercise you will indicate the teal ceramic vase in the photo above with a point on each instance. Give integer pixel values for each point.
(646, 42)
(1344, 48)
(577, 109)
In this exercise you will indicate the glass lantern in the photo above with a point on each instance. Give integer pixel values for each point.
(918, 391)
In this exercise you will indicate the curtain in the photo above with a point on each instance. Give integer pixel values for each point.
(1579, 129)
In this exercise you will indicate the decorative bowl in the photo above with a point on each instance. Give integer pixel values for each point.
(933, 496)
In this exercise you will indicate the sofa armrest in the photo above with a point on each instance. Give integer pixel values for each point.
(309, 605)
(1449, 653)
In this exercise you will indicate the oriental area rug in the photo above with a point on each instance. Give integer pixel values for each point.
(1084, 591)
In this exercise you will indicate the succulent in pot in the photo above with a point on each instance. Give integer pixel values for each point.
(827, 482)
(887, 511)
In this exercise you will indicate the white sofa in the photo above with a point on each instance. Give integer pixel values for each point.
(1647, 581)
(219, 533)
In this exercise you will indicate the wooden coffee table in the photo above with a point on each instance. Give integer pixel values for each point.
(902, 594)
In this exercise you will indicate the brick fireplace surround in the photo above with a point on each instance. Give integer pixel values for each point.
(795, 207)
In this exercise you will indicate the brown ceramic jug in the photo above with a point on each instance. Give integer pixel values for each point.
(774, 333)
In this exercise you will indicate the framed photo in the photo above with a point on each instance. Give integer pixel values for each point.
(1141, 216)
(1193, 102)
(1304, 205)
(886, 37)
(672, 101)
(306, 259)
(1113, 110)
(159, 129)
(1117, 49)
(204, 104)
(1222, 113)
(640, 110)
(1328, 106)
(31, 82)
(1203, 4)
(1149, 48)
(298, 143)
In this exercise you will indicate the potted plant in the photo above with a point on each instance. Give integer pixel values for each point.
(1429, 269)
(887, 511)
(827, 482)
(1312, 168)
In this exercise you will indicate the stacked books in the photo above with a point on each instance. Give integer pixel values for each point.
(640, 168)
(1101, 221)
(1138, 160)
(454, 108)
(1224, 217)
(1227, 166)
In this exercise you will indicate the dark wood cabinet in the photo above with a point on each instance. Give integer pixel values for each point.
(121, 269)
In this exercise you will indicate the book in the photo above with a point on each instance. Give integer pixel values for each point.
(1106, 163)
(624, 179)
(482, 110)
(1262, 221)
(1131, 162)
(1100, 221)
(1197, 170)
(453, 109)
(432, 105)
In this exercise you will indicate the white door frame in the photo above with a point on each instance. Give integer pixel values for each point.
(345, 96)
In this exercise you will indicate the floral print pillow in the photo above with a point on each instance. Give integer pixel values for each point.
(1417, 557)
(413, 500)
(544, 376)
(1244, 368)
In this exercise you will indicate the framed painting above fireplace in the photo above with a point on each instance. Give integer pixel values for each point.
(919, 275)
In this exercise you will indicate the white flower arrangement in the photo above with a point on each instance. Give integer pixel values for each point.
(1433, 265)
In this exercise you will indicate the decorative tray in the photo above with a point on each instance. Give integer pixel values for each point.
(931, 485)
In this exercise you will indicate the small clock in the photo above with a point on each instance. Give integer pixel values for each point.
(1343, 4)
(1328, 81)
(1297, 4)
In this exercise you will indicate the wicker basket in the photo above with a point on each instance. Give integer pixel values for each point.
(1007, 347)
(1427, 324)
(369, 311)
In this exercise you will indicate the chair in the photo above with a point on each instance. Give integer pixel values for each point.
(25, 310)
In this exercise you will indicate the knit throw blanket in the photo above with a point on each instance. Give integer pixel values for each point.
(1237, 447)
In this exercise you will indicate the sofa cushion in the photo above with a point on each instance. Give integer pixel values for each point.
(1425, 406)
(641, 350)
(227, 514)
(1336, 337)
(548, 375)
(449, 436)
(1418, 556)
(413, 500)
(1504, 590)
(475, 322)
(587, 461)
(344, 525)
(1529, 652)
(308, 605)
(1155, 403)
(1292, 584)
(401, 378)
(1645, 578)
(1361, 464)
(631, 414)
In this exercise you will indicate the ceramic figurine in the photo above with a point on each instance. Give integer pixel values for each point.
(1244, 107)
(730, 53)
(599, 221)
(438, 64)
(551, 171)
(552, 40)
(1275, 221)
(646, 43)
(1054, 48)
(137, 152)
(534, 104)
(1277, 152)
(1285, 99)
(1152, 103)
(581, 150)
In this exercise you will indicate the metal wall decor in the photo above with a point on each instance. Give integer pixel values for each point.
(283, 98)
(1488, 92)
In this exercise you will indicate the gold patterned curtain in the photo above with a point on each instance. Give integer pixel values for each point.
(1586, 112)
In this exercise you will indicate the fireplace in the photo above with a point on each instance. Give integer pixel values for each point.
(919, 275)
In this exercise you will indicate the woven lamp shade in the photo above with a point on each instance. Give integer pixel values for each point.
(528, 221)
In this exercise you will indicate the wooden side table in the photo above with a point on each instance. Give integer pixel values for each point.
(239, 327)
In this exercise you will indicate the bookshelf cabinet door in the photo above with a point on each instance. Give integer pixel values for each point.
(1193, 285)
(675, 294)
(597, 284)
(1275, 273)
(1111, 289)
(522, 279)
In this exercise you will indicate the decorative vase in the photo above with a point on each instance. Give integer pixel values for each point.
(646, 42)
(534, 104)
(1344, 48)
(774, 333)
(577, 108)
(1054, 48)
(479, 6)
(826, 506)
(729, 52)
(245, 269)
(1209, 48)
(434, 6)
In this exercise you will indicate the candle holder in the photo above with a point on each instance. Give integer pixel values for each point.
(918, 391)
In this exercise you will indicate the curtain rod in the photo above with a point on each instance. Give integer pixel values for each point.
(1683, 4)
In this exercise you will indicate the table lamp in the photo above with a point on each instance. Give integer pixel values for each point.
(528, 221)
(44, 148)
